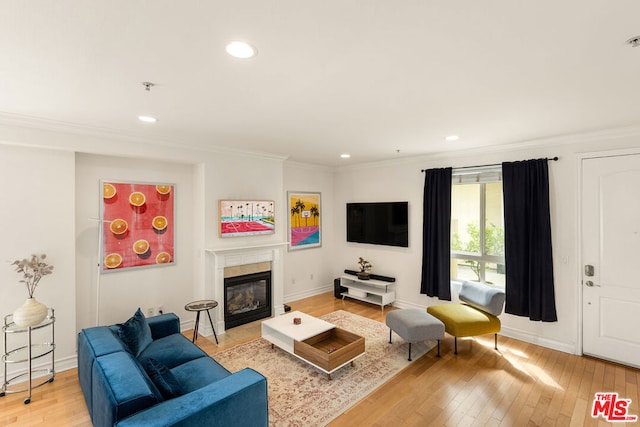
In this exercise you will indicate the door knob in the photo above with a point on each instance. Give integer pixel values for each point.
(590, 284)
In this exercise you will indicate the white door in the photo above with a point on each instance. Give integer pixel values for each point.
(611, 258)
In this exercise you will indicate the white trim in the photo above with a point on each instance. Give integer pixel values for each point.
(40, 124)
(578, 249)
(521, 335)
(244, 248)
(63, 364)
(234, 256)
(308, 293)
(205, 327)
(407, 304)
(472, 153)
(66, 363)
(513, 333)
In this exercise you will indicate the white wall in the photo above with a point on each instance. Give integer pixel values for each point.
(237, 177)
(37, 216)
(199, 187)
(309, 271)
(122, 292)
(403, 180)
(42, 209)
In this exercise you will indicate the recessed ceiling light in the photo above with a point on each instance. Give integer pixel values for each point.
(241, 50)
(452, 138)
(345, 155)
(147, 119)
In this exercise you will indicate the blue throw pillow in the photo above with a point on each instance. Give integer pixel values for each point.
(135, 333)
(162, 378)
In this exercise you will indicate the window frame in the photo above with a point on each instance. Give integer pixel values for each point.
(482, 177)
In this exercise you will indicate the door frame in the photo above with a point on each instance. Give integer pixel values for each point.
(580, 158)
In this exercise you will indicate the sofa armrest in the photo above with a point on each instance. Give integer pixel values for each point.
(238, 400)
(164, 325)
(93, 343)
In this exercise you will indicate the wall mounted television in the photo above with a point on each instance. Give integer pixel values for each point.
(378, 223)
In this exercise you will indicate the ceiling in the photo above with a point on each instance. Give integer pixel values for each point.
(376, 79)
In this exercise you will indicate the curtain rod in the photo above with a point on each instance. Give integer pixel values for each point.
(555, 159)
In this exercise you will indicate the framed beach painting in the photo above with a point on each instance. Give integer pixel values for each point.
(305, 220)
(138, 225)
(246, 217)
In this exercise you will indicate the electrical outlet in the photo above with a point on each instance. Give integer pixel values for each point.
(150, 312)
(293, 281)
(311, 276)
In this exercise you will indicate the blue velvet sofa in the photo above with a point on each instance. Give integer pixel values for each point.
(156, 376)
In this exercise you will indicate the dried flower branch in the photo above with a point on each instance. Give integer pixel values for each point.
(32, 271)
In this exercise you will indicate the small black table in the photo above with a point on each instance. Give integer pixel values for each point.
(198, 307)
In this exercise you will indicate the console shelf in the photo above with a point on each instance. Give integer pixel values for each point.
(24, 382)
(372, 291)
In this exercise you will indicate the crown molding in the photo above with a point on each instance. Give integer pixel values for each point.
(473, 153)
(59, 127)
(307, 166)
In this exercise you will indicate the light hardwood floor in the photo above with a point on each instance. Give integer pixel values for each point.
(519, 385)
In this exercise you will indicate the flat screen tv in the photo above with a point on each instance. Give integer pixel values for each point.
(379, 223)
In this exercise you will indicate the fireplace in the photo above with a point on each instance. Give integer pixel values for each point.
(229, 262)
(247, 298)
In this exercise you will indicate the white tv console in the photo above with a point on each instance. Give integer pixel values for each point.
(373, 291)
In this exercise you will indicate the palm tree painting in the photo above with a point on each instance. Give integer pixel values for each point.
(305, 218)
(246, 217)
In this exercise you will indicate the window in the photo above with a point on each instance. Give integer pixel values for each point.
(477, 226)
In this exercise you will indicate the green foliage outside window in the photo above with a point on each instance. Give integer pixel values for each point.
(494, 244)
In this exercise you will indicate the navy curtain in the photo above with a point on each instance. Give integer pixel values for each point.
(436, 234)
(528, 255)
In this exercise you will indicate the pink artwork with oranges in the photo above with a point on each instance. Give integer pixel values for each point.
(138, 225)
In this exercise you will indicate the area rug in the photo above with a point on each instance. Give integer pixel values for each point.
(301, 395)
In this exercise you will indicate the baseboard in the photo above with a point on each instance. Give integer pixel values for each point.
(62, 364)
(205, 328)
(506, 331)
(521, 335)
(514, 333)
(185, 325)
(308, 293)
(407, 304)
(66, 363)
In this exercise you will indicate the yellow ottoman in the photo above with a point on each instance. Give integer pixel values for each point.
(476, 316)
(462, 320)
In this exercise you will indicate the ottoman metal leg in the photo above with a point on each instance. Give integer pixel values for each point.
(414, 325)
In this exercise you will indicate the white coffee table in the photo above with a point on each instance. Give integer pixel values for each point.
(282, 332)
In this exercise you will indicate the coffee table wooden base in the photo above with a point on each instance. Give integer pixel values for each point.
(315, 341)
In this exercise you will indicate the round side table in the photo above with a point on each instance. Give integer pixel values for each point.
(199, 307)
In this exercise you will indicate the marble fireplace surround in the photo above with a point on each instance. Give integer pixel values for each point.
(235, 261)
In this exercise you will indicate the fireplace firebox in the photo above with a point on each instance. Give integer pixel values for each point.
(247, 298)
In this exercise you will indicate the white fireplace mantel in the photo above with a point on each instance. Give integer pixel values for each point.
(234, 256)
(216, 251)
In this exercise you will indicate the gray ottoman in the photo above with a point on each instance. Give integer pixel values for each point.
(415, 325)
